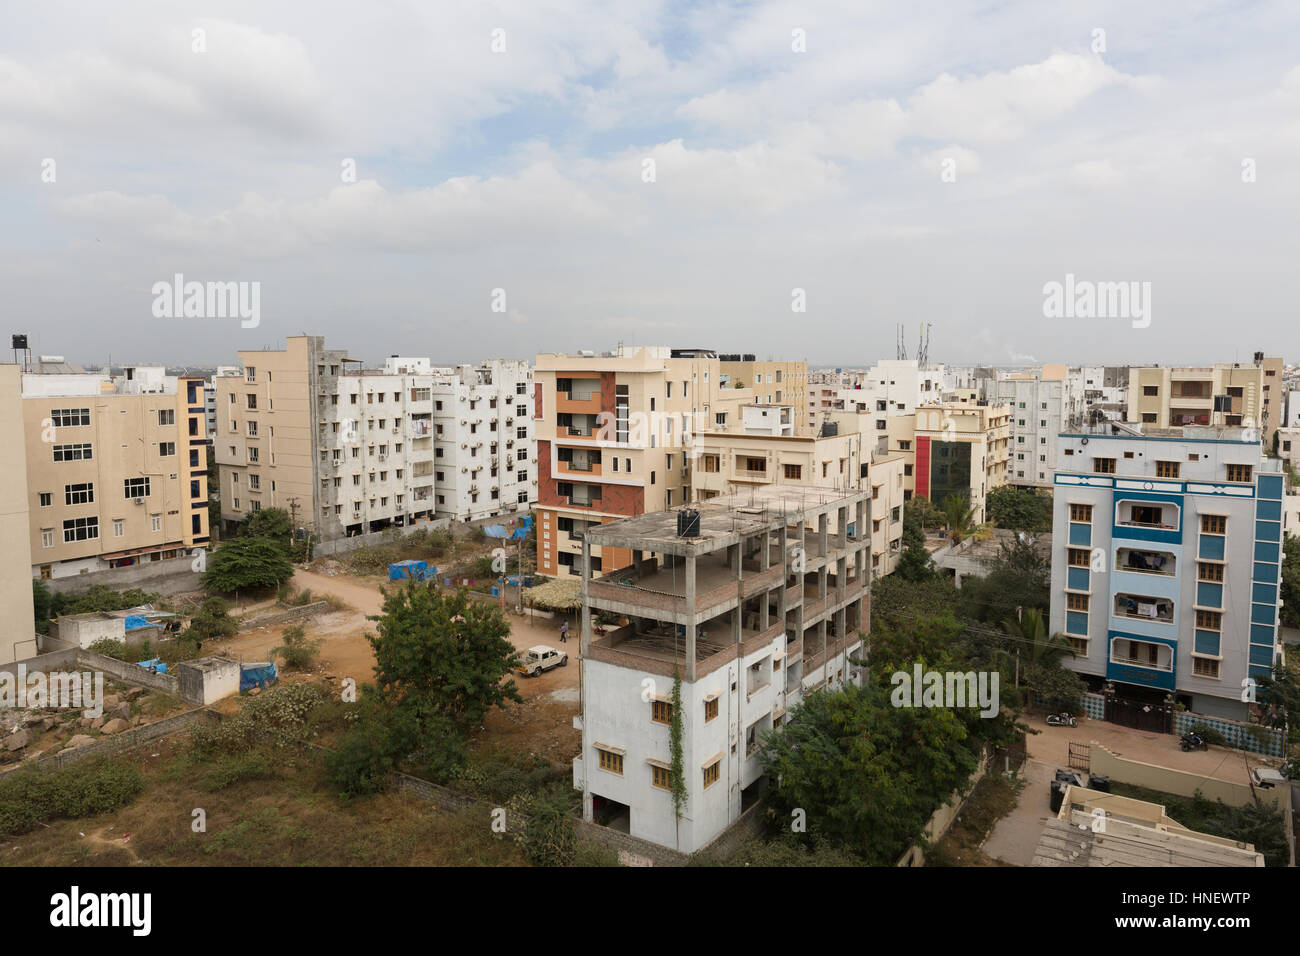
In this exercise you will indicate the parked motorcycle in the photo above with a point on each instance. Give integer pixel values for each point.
(1191, 741)
(1062, 719)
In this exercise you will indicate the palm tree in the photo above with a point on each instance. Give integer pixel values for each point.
(960, 517)
(1034, 644)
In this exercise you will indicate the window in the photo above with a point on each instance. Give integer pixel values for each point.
(711, 773)
(1103, 466)
(119, 527)
(252, 401)
(1166, 469)
(70, 417)
(166, 416)
(1210, 620)
(661, 777)
(166, 449)
(1205, 667)
(1239, 472)
(136, 487)
(1214, 524)
(661, 711)
(1076, 602)
(794, 472)
(47, 537)
(1081, 513)
(155, 521)
(47, 499)
(1209, 571)
(1079, 557)
(82, 493)
(1150, 390)
(80, 529)
(610, 761)
(79, 452)
(710, 709)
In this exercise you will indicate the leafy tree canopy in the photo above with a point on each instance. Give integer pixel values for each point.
(247, 563)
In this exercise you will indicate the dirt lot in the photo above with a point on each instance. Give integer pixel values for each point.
(542, 724)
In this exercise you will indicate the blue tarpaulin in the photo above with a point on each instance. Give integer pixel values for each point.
(257, 675)
(136, 621)
(154, 665)
(418, 570)
(518, 534)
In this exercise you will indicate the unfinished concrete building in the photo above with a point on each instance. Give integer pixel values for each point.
(754, 599)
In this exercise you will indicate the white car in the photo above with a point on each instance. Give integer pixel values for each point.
(541, 658)
(1264, 777)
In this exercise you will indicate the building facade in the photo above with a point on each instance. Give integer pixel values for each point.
(1230, 395)
(765, 601)
(18, 636)
(116, 469)
(1166, 564)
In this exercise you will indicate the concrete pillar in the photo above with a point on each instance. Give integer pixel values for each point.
(823, 524)
(636, 563)
(690, 618)
(842, 535)
(586, 606)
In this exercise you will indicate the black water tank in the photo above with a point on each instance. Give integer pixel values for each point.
(688, 523)
(1099, 781)
(1058, 794)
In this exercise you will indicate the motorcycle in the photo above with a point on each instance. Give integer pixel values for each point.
(1193, 742)
(1062, 719)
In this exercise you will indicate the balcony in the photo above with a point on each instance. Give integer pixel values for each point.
(660, 590)
(1139, 561)
(1141, 607)
(660, 647)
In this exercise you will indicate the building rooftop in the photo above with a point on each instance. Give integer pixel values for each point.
(722, 519)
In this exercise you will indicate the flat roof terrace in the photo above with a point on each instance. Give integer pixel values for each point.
(724, 520)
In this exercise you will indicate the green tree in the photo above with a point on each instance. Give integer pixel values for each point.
(1019, 575)
(298, 650)
(865, 774)
(927, 514)
(1040, 655)
(1291, 581)
(1019, 509)
(915, 563)
(959, 517)
(247, 563)
(42, 605)
(442, 661)
(212, 620)
(270, 523)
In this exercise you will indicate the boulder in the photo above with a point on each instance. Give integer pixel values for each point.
(122, 710)
(17, 741)
(98, 722)
(111, 700)
(133, 693)
(115, 726)
(80, 741)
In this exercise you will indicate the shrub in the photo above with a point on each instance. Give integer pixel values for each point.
(361, 763)
(31, 797)
(229, 769)
(107, 647)
(298, 650)
(280, 717)
(1212, 736)
(550, 838)
(212, 620)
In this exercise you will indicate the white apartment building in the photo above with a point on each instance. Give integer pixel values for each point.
(485, 453)
(762, 598)
(1040, 410)
(890, 388)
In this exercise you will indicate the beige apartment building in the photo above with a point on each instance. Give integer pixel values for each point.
(954, 448)
(18, 636)
(614, 434)
(730, 461)
(1226, 394)
(773, 382)
(116, 468)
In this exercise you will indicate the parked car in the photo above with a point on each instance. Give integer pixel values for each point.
(541, 658)
(1266, 777)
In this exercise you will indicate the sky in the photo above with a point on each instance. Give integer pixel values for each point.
(477, 180)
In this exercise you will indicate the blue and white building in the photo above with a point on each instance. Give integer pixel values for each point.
(1166, 567)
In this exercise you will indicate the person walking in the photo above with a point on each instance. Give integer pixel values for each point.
(564, 632)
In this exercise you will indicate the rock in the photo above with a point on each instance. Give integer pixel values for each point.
(111, 700)
(80, 741)
(33, 754)
(85, 721)
(133, 693)
(122, 710)
(136, 720)
(47, 723)
(115, 726)
(98, 722)
(18, 740)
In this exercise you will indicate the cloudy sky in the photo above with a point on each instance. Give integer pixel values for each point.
(652, 173)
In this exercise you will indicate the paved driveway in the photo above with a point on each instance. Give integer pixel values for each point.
(1016, 835)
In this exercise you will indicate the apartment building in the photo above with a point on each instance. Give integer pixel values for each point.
(891, 388)
(1225, 394)
(954, 448)
(1042, 406)
(116, 467)
(614, 434)
(1274, 392)
(838, 457)
(348, 450)
(754, 600)
(18, 636)
(485, 457)
(773, 382)
(1166, 567)
(210, 397)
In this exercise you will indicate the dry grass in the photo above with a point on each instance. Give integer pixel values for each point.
(994, 798)
(287, 818)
